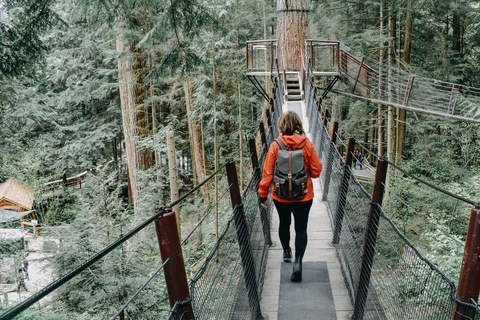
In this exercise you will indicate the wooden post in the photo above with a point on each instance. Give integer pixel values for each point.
(174, 269)
(469, 282)
(370, 240)
(172, 168)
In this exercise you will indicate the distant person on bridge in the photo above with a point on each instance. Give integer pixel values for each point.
(292, 136)
(358, 156)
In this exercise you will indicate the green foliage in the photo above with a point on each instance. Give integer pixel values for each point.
(61, 210)
(22, 25)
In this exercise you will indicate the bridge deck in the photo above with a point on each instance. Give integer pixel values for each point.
(322, 277)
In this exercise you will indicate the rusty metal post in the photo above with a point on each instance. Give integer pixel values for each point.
(253, 153)
(244, 242)
(269, 117)
(174, 270)
(469, 282)
(370, 240)
(342, 199)
(263, 137)
(334, 132)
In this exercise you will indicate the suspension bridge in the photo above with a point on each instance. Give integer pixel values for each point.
(358, 263)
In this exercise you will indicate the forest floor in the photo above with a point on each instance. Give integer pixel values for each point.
(40, 275)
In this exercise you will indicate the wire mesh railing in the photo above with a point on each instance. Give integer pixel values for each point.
(226, 280)
(386, 276)
(389, 85)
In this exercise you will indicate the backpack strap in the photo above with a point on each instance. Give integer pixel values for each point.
(284, 147)
(281, 144)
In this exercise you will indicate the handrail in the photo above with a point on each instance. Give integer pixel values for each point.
(61, 281)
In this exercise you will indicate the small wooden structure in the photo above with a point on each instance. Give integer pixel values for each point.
(16, 197)
(70, 181)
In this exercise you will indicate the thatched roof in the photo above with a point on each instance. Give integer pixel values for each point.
(14, 195)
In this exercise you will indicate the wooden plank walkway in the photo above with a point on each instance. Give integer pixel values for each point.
(319, 249)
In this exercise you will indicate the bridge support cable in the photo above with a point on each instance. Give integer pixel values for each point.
(175, 274)
(122, 309)
(244, 243)
(386, 276)
(401, 106)
(258, 86)
(10, 314)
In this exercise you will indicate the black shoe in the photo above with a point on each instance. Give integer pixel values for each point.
(297, 272)
(287, 255)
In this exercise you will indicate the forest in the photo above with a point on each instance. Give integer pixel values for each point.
(98, 86)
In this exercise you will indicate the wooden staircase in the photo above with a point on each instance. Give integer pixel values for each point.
(294, 92)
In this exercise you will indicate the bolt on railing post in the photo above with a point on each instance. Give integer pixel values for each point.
(244, 242)
(174, 270)
(370, 240)
(469, 282)
(342, 199)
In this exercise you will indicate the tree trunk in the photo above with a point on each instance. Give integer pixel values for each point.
(381, 120)
(391, 110)
(402, 113)
(292, 31)
(172, 168)
(127, 104)
(196, 132)
(456, 28)
(145, 156)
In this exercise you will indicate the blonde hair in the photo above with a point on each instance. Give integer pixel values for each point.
(289, 123)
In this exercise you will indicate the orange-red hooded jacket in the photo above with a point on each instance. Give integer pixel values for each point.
(313, 165)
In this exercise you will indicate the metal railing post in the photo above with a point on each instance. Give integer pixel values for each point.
(244, 242)
(269, 117)
(253, 153)
(361, 293)
(263, 213)
(174, 270)
(324, 122)
(263, 136)
(342, 199)
(328, 171)
(469, 282)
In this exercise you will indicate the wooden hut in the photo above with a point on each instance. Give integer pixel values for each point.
(17, 197)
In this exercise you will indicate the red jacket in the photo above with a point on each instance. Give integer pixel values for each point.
(313, 165)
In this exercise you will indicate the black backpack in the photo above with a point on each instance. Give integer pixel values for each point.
(290, 176)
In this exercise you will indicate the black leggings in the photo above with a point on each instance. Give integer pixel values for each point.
(300, 212)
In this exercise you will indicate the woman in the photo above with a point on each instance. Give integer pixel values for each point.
(292, 135)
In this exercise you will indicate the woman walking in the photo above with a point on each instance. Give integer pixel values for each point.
(293, 137)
